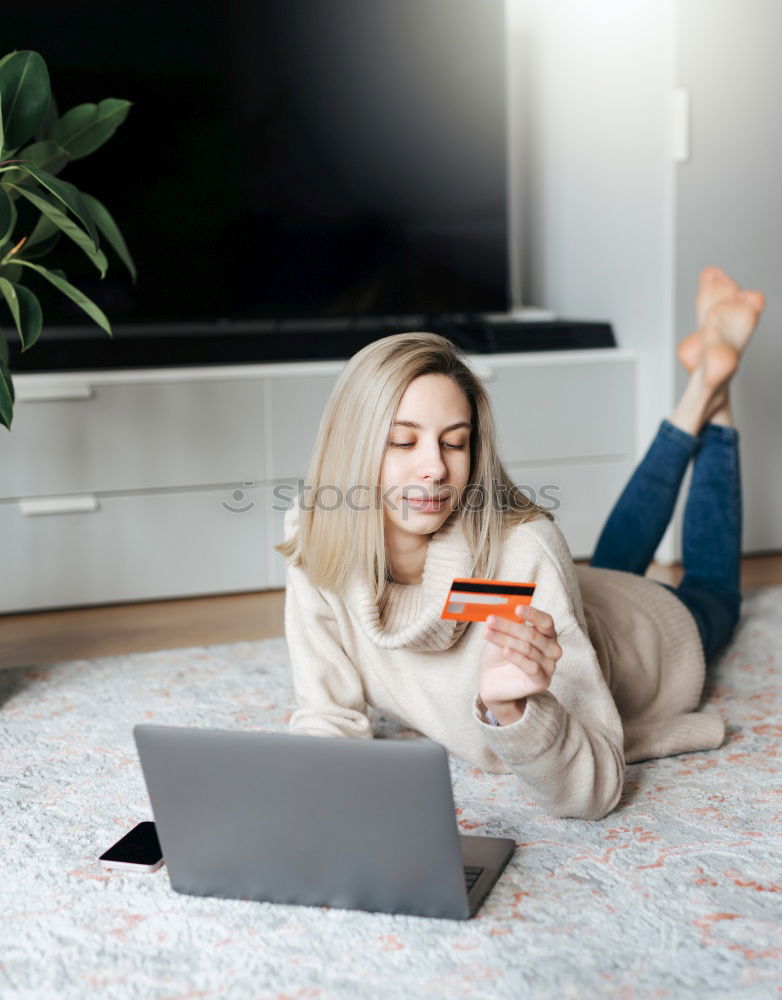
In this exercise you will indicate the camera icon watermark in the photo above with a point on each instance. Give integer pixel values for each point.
(238, 496)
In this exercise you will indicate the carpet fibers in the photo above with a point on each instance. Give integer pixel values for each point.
(676, 893)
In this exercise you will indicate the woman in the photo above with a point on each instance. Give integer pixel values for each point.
(406, 491)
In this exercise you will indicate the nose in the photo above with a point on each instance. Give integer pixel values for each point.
(431, 464)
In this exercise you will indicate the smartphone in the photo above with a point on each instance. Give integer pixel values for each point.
(138, 851)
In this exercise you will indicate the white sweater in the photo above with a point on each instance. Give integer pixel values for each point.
(626, 687)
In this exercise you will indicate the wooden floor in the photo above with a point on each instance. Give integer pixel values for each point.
(45, 637)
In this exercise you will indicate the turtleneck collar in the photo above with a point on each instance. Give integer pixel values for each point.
(408, 615)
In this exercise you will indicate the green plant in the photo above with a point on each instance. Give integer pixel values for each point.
(37, 207)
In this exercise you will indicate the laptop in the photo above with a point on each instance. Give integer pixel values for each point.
(314, 821)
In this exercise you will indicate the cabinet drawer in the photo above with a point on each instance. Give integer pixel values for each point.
(133, 436)
(579, 495)
(133, 548)
(563, 410)
(278, 499)
(297, 404)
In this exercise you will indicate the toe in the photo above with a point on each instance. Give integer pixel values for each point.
(754, 298)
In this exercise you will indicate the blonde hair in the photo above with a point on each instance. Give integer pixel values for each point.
(348, 454)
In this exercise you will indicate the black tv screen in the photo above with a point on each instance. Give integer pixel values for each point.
(285, 158)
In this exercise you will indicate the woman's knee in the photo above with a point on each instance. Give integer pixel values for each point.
(719, 611)
(736, 613)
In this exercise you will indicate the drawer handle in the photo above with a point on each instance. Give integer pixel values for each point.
(58, 505)
(51, 391)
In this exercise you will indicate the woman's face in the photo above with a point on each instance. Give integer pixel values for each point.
(427, 455)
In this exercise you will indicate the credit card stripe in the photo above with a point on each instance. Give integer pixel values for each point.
(492, 588)
(467, 598)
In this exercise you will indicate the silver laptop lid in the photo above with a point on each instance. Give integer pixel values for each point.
(312, 820)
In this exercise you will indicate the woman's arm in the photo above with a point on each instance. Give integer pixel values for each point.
(327, 687)
(566, 749)
(329, 692)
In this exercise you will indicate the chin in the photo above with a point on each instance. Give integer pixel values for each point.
(425, 524)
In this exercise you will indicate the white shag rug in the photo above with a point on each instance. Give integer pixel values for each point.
(677, 893)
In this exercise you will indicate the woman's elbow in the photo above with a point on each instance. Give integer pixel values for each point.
(599, 797)
(614, 788)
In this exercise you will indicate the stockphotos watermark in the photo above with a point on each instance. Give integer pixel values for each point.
(361, 497)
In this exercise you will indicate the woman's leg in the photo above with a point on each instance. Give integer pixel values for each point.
(700, 427)
(638, 520)
(711, 539)
(640, 516)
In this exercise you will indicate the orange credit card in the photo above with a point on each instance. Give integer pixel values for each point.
(473, 600)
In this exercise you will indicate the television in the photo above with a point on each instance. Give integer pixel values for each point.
(285, 160)
(294, 179)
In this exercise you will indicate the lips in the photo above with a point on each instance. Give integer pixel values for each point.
(427, 505)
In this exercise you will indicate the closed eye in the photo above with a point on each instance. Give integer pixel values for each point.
(451, 447)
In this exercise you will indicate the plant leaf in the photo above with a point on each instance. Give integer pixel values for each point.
(25, 93)
(42, 239)
(58, 280)
(67, 225)
(6, 396)
(49, 120)
(68, 195)
(87, 126)
(11, 390)
(47, 155)
(108, 228)
(7, 216)
(11, 271)
(26, 311)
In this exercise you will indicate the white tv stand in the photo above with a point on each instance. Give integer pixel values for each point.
(524, 314)
(118, 485)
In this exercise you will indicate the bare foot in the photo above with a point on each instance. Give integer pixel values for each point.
(734, 311)
(706, 392)
(719, 360)
(730, 324)
(714, 286)
(720, 343)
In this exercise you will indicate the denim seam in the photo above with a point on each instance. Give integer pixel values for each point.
(722, 433)
(691, 442)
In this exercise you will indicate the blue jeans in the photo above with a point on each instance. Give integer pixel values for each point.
(711, 542)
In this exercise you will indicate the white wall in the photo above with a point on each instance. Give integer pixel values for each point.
(614, 229)
(594, 91)
(730, 211)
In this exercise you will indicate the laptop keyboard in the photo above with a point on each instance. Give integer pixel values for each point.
(471, 876)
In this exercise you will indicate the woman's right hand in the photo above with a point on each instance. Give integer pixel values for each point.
(518, 659)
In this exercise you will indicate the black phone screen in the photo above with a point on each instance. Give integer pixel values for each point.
(138, 847)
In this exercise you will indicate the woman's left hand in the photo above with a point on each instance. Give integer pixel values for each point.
(519, 659)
